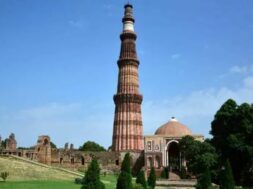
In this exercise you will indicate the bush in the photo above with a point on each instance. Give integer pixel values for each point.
(92, 177)
(124, 181)
(204, 180)
(183, 173)
(152, 178)
(4, 175)
(78, 181)
(141, 179)
(125, 178)
(125, 166)
(165, 173)
(138, 186)
(226, 177)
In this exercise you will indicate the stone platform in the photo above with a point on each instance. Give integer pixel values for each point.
(176, 184)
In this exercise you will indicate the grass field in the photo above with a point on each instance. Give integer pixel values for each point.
(23, 175)
(109, 181)
(20, 171)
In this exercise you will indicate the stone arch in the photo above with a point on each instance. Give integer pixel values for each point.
(173, 155)
(45, 142)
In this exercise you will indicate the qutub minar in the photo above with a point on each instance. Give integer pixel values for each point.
(161, 148)
(127, 127)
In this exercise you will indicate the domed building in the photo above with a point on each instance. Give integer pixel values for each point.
(162, 150)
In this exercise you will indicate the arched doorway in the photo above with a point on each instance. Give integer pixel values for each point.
(173, 156)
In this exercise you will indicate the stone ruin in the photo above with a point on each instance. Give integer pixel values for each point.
(66, 157)
(11, 143)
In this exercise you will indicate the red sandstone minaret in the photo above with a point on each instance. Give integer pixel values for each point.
(127, 127)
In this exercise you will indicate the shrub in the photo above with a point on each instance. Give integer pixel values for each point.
(125, 178)
(4, 175)
(226, 177)
(183, 173)
(124, 181)
(138, 186)
(165, 173)
(152, 178)
(125, 166)
(92, 177)
(78, 181)
(204, 180)
(141, 179)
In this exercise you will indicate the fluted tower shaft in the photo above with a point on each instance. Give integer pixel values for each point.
(127, 128)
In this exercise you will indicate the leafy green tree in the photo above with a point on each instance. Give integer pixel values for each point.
(152, 178)
(199, 155)
(92, 147)
(53, 145)
(226, 177)
(92, 177)
(125, 177)
(4, 143)
(204, 180)
(232, 130)
(141, 179)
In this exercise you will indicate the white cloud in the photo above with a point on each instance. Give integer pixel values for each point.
(196, 109)
(241, 69)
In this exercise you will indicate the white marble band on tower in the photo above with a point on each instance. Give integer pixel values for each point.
(128, 26)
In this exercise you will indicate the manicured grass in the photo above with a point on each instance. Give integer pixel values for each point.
(39, 185)
(109, 180)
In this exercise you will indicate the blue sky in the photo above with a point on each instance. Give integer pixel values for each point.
(58, 68)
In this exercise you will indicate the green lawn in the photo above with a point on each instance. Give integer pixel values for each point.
(109, 180)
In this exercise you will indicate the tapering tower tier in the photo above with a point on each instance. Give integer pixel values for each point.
(127, 128)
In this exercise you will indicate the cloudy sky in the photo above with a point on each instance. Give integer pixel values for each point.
(58, 68)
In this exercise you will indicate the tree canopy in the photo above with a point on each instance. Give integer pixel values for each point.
(92, 147)
(232, 130)
(199, 155)
(53, 145)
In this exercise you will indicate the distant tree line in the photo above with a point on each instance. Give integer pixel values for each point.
(92, 147)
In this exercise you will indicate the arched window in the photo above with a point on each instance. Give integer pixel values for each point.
(61, 159)
(72, 161)
(157, 162)
(45, 141)
(150, 162)
(82, 159)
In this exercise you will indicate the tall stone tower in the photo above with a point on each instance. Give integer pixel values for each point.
(43, 149)
(127, 127)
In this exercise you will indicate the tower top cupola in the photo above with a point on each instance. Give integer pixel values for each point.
(128, 19)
